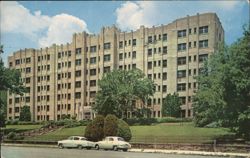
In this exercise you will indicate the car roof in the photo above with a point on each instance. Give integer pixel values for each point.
(78, 136)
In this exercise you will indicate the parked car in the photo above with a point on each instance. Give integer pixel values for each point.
(76, 142)
(113, 143)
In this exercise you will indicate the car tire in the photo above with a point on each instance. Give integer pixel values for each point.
(125, 150)
(97, 147)
(60, 146)
(115, 148)
(80, 147)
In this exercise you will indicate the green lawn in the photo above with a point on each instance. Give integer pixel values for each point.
(161, 133)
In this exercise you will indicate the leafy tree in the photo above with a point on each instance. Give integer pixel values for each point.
(94, 130)
(119, 89)
(171, 105)
(25, 114)
(110, 125)
(124, 130)
(223, 95)
(10, 80)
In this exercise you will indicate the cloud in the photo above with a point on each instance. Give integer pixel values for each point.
(17, 19)
(44, 29)
(61, 29)
(131, 15)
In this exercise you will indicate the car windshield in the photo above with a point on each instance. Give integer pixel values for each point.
(83, 139)
(120, 139)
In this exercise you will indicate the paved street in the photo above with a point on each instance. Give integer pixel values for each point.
(27, 152)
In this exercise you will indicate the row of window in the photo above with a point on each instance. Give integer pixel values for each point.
(124, 43)
(43, 78)
(43, 57)
(164, 64)
(43, 117)
(63, 106)
(129, 66)
(41, 98)
(20, 99)
(182, 86)
(20, 61)
(183, 33)
(164, 50)
(152, 39)
(124, 55)
(183, 60)
(154, 76)
(43, 108)
(44, 67)
(183, 46)
(43, 88)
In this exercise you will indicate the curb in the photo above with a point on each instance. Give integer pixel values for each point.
(179, 152)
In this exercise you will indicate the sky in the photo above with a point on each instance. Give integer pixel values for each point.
(37, 24)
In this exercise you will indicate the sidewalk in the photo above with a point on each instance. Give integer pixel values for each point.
(181, 152)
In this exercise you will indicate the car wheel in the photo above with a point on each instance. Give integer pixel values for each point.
(97, 147)
(125, 150)
(115, 148)
(60, 146)
(80, 147)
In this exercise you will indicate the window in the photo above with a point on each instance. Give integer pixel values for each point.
(47, 108)
(69, 96)
(182, 33)
(121, 44)
(195, 30)
(133, 54)
(78, 51)
(194, 44)
(28, 70)
(194, 71)
(69, 53)
(150, 76)
(59, 56)
(120, 56)
(27, 99)
(92, 94)
(164, 76)
(47, 97)
(107, 45)
(133, 66)
(134, 42)
(194, 58)
(164, 63)
(159, 62)
(16, 109)
(203, 29)
(93, 60)
(165, 50)
(69, 85)
(165, 37)
(17, 100)
(10, 64)
(78, 95)
(106, 58)
(28, 60)
(48, 67)
(48, 87)
(106, 69)
(189, 44)
(182, 47)
(181, 73)
(58, 65)
(78, 73)
(10, 101)
(69, 108)
(182, 100)
(150, 39)
(181, 60)
(92, 72)
(17, 61)
(149, 52)
(78, 84)
(92, 83)
(164, 88)
(92, 49)
(203, 57)
(78, 62)
(27, 80)
(150, 65)
(181, 87)
(189, 31)
(203, 44)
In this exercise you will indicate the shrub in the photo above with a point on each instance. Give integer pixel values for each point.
(84, 122)
(172, 120)
(141, 121)
(95, 131)
(110, 125)
(124, 130)
(14, 136)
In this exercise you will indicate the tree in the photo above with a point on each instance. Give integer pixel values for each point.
(171, 105)
(94, 130)
(25, 114)
(124, 130)
(110, 125)
(10, 80)
(223, 95)
(119, 89)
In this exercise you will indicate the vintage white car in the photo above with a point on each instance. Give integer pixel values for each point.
(76, 142)
(113, 143)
